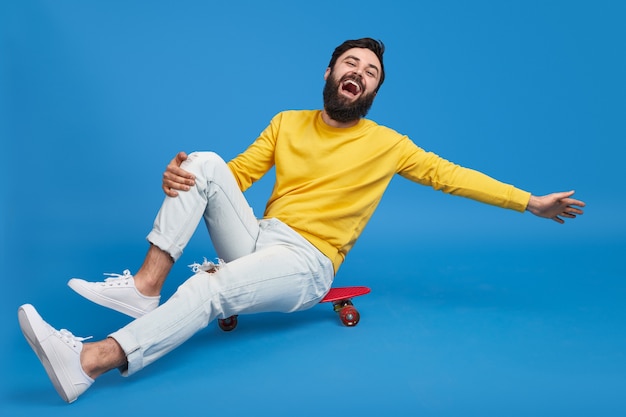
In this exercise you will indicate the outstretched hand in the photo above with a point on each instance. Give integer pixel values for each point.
(175, 178)
(556, 206)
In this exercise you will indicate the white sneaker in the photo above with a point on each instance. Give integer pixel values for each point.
(118, 293)
(58, 351)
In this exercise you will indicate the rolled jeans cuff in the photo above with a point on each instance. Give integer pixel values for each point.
(132, 349)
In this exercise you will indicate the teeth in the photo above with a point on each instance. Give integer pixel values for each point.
(358, 87)
(355, 84)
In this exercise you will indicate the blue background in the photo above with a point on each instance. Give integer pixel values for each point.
(474, 310)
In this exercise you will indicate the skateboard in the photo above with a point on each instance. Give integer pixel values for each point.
(341, 297)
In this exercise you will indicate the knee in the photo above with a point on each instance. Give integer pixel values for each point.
(204, 157)
(198, 162)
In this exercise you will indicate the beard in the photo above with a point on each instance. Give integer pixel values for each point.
(339, 108)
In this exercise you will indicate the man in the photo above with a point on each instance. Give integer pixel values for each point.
(332, 167)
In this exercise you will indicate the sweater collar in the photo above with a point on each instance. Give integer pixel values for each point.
(322, 125)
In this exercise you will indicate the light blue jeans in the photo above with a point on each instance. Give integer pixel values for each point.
(268, 266)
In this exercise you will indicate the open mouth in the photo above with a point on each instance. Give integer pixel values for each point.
(352, 87)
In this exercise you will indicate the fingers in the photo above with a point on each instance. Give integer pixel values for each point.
(572, 207)
(175, 178)
(169, 191)
(565, 198)
(180, 157)
(573, 211)
(570, 202)
(568, 212)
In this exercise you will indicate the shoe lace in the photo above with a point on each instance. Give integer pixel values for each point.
(206, 265)
(67, 336)
(115, 277)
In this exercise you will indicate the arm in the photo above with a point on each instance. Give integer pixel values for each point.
(176, 178)
(554, 206)
(428, 168)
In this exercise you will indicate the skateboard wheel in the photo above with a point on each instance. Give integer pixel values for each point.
(349, 316)
(227, 324)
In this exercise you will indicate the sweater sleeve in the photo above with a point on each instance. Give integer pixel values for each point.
(258, 158)
(429, 169)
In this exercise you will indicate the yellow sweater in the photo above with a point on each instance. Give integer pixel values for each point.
(330, 180)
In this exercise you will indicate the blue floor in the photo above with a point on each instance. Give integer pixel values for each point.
(491, 330)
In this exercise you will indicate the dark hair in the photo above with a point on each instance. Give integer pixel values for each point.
(378, 47)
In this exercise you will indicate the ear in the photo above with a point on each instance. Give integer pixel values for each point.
(327, 73)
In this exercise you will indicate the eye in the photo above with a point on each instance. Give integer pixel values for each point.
(371, 74)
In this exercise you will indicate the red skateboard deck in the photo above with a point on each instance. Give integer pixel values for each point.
(344, 293)
(341, 297)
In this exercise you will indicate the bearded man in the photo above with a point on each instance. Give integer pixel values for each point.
(332, 168)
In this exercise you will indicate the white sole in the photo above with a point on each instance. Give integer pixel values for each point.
(39, 343)
(107, 302)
